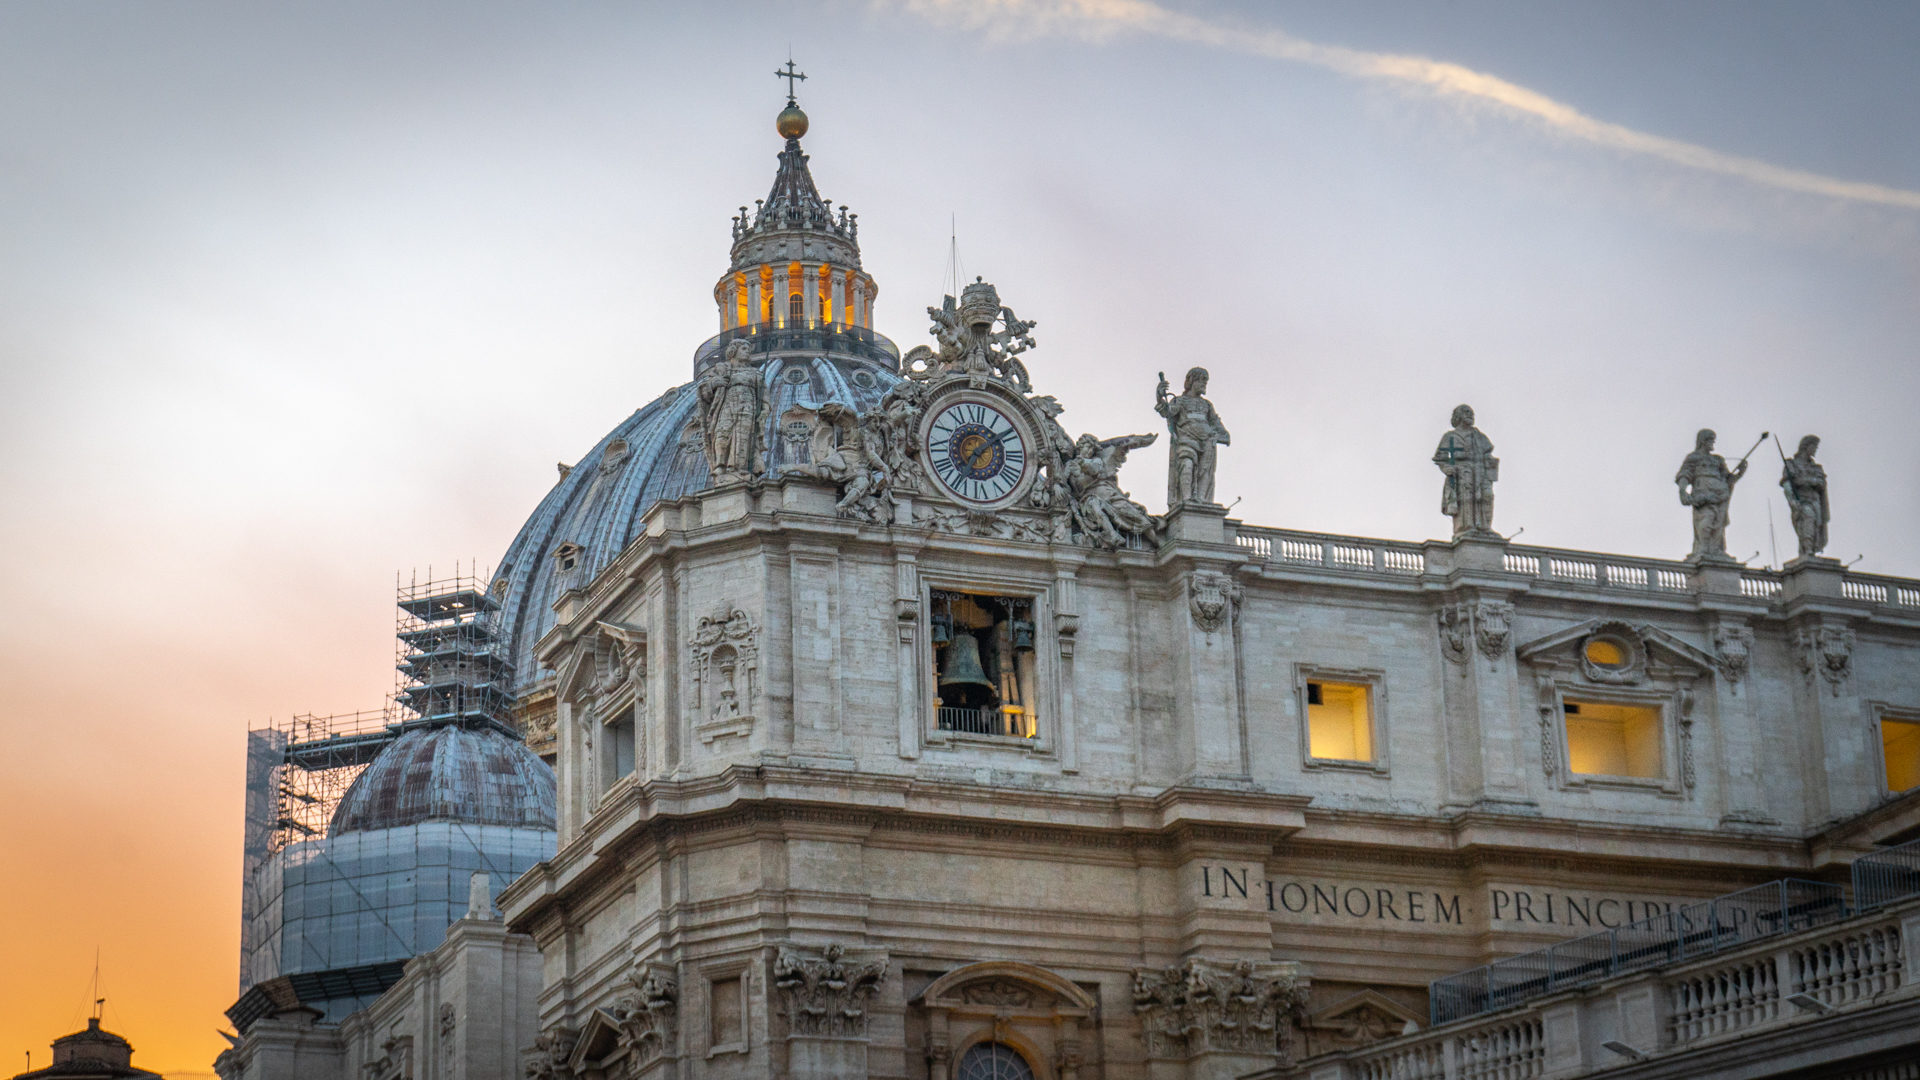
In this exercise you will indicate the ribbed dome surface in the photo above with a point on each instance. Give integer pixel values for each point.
(654, 454)
(450, 773)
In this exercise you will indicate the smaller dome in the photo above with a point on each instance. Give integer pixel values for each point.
(791, 123)
(449, 773)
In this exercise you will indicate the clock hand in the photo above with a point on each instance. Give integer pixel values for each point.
(985, 448)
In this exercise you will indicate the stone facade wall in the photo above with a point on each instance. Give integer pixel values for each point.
(794, 806)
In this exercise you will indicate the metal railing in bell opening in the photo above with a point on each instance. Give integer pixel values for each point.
(816, 337)
(1887, 875)
(1685, 933)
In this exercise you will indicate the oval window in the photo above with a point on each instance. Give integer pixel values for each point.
(1602, 652)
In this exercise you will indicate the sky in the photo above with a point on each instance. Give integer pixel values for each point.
(296, 296)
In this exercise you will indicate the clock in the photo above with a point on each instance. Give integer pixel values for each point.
(977, 452)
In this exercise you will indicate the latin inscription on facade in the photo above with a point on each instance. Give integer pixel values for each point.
(1526, 908)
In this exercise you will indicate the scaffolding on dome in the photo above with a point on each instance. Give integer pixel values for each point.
(453, 668)
(453, 663)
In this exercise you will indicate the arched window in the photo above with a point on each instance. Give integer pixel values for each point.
(993, 1061)
(796, 309)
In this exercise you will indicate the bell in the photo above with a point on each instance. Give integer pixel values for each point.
(963, 664)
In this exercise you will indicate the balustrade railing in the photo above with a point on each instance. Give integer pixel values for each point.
(1599, 571)
(1354, 553)
(1886, 875)
(1695, 930)
(1898, 592)
(1756, 980)
(1357, 554)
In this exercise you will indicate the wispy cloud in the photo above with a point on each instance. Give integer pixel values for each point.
(1097, 19)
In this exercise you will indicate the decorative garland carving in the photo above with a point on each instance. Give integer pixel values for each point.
(825, 993)
(1686, 738)
(1198, 1006)
(1549, 722)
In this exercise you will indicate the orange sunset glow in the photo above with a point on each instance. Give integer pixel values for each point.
(296, 298)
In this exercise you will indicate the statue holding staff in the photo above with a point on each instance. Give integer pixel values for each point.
(1805, 483)
(1194, 433)
(1465, 457)
(733, 411)
(1706, 485)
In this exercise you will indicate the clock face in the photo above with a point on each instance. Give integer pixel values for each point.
(976, 452)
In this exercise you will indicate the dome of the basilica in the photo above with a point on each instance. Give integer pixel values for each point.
(795, 292)
(594, 511)
(449, 773)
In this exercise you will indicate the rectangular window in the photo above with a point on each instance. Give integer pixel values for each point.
(1613, 740)
(1900, 749)
(1339, 721)
(985, 670)
(617, 748)
(726, 1010)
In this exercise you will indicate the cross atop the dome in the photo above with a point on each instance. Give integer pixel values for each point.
(792, 77)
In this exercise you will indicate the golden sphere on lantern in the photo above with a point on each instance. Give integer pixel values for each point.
(791, 123)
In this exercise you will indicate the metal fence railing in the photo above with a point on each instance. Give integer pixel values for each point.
(1886, 875)
(1684, 933)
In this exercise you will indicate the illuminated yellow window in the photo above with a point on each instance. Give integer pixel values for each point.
(1339, 721)
(826, 294)
(1613, 740)
(1606, 653)
(1900, 748)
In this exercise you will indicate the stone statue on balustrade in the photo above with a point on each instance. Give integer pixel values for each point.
(1805, 483)
(1194, 432)
(1102, 513)
(1465, 457)
(1706, 485)
(733, 412)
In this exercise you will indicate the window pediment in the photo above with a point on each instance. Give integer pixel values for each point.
(996, 985)
(1613, 652)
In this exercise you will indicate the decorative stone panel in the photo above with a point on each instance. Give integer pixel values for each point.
(1202, 1006)
(825, 993)
(726, 674)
